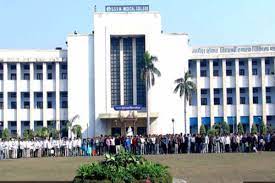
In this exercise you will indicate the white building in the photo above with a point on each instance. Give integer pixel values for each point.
(101, 71)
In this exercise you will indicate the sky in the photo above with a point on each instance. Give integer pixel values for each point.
(45, 24)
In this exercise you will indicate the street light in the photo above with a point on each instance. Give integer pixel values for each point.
(173, 121)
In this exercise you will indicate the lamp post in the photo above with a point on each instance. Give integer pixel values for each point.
(173, 121)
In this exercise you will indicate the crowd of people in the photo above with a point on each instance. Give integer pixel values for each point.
(152, 144)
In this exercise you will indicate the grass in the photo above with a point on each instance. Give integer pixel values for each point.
(193, 167)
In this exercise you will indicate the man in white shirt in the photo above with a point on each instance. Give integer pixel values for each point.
(206, 142)
(227, 143)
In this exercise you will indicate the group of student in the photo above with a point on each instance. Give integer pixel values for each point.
(138, 144)
(12, 149)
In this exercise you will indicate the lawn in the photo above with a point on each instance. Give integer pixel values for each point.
(193, 167)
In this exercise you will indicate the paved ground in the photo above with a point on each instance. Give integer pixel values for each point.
(193, 168)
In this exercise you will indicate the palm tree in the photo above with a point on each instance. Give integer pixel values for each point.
(148, 73)
(70, 124)
(185, 86)
(76, 129)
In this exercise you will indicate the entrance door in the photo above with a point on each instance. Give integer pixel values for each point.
(116, 131)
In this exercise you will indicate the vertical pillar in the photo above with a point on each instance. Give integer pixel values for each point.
(5, 95)
(263, 90)
(134, 71)
(44, 92)
(57, 95)
(31, 96)
(237, 89)
(121, 73)
(198, 65)
(18, 98)
(211, 92)
(250, 92)
(224, 90)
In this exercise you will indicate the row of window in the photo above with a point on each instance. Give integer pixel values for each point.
(37, 76)
(36, 123)
(216, 73)
(229, 63)
(243, 100)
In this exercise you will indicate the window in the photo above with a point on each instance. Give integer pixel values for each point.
(267, 62)
(242, 100)
(13, 76)
(254, 63)
(203, 101)
(13, 67)
(1, 76)
(228, 72)
(255, 90)
(49, 66)
(13, 123)
(39, 123)
(268, 99)
(267, 71)
(39, 67)
(254, 72)
(39, 105)
(241, 63)
(26, 123)
(1, 105)
(203, 91)
(39, 76)
(268, 89)
(26, 95)
(216, 91)
(203, 63)
(215, 63)
(13, 105)
(26, 76)
(255, 100)
(50, 76)
(26, 67)
(216, 72)
(50, 105)
(229, 90)
(229, 100)
(216, 101)
(64, 104)
(228, 63)
(242, 90)
(242, 72)
(203, 73)
(63, 75)
(50, 94)
(26, 105)
(64, 66)
(12, 94)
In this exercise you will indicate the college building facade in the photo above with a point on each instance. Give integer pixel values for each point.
(99, 75)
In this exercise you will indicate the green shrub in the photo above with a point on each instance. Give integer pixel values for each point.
(123, 168)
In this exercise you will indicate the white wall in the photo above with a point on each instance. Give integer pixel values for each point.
(80, 53)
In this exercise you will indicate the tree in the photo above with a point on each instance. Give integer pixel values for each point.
(185, 86)
(5, 134)
(254, 129)
(26, 134)
(77, 131)
(240, 129)
(263, 129)
(225, 128)
(70, 124)
(148, 73)
(44, 132)
(202, 129)
(211, 132)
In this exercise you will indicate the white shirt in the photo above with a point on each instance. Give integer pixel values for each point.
(227, 140)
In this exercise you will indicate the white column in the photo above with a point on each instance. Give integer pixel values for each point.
(263, 90)
(5, 95)
(250, 92)
(57, 95)
(18, 98)
(121, 73)
(237, 89)
(44, 92)
(211, 92)
(31, 96)
(134, 71)
(198, 94)
(224, 94)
